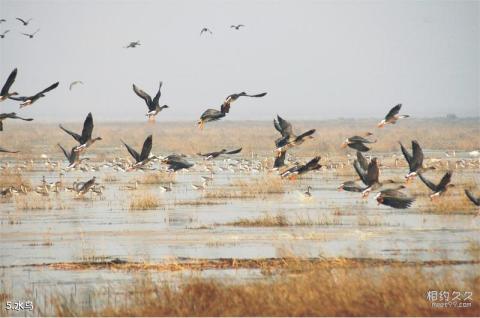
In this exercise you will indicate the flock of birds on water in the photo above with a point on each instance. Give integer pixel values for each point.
(389, 192)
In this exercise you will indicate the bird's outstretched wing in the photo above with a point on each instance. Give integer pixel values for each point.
(232, 152)
(75, 136)
(132, 152)
(362, 161)
(305, 134)
(417, 155)
(446, 179)
(256, 95)
(14, 116)
(49, 88)
(65, 152)
(396, 199)
(87, 128)
(472, 198)
(277, 126)
(362, 173)
(428, 183)
(157, 97)
(9, 82)
(406, 154)
(394, 111)
(23, 21)
(140, 93)
(8, 151)
(285, 126)
(147, 147)
(372, 172)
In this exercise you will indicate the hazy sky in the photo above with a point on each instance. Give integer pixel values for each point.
(316, 59)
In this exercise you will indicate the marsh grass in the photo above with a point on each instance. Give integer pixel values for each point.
(280, 220)
(338, 287)
(144, 201)
(32, 201)
(158, 177)
(13, 178)
(257, 187)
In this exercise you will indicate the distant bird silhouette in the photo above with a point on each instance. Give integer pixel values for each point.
(85, 140)
(74, 83)
(237, 27)
(132, 44)
(12, 116)
(2, 20)
(31, 35)
(441, 187)
(4, 94)
(3, 34)
(153, 106)
(392, 116)
(205, 30)
(177, 162)
(215, 154)
(289, 139)
(475, 200)
(144, 157)
(350, 186)
(7, 151)
(29, 100)
(357, 142)
(25, 23)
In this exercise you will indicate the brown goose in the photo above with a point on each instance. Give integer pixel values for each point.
(85, 139)
(29, 100)
(392, 116)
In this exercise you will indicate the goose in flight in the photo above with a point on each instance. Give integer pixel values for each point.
(279, 160)
(132, 44)
(301, 169)
(153, 107)
(177, 162)
(215, 154)
(4, 93)
(205, 30)
(25, 22)
(357, 142)
(7, 151)
(144, 157)
(31, 35)
(394, 198)
(11, 116)
(350, 186)
(414, 160)
(441, 187)
(73, 157)
(233, 97)
(74, 83)
(29, 100)
(3, 34)
(392, 116)
(289, 139)
(210, 115)
(85, 139)
(475, 200)
(237, 27)
(370, 176)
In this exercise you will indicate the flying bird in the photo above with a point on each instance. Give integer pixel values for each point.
(475, 200)
(4, 94)
(11, 116)
(25, 23)
(85, 139)
(86, 187)
(370, 175)
(394, 198)
(153, 106)
(289, 139)
(414, 160)
(3, 34)
(32, 99)
(302, 168)
(177, 162)
(357, 142)
(279, 160)
(441, 187)
(233, 97)
(74, 83)
(204, 30)
(2, 20)
(73, 156)
(215, 154)
(236, 27)
(132, 44)
(31, 35)
(7, 151)
(392, 116)
(144, 157)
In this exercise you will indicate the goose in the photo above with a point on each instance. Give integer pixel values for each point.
(289, 139)
(25, 22)
(85, 187)
(357, 142)
(73, 157)
(392, 116)
(211, 115)
(441, 187)
(205, 30)
(3, 34)
(233, 97)
(29, 100)
(85, 140)
(370, 176)
(7, 151)
(350, 186)
(307, 193)
(11, 116)
(475, 200)
(4, 94)
(177, 162)
(394, 198)
(153, 107)
(215, 154)
(301, 169)
(237, 27)
(133, 44)
(279, 160)
(72, 84)
(31, 35)
(414, 160)
(144, 157)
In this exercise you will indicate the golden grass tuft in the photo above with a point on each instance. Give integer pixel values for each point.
(158, 177)
(263, 221)
(249, 189)
(32, 201)
(145, 201)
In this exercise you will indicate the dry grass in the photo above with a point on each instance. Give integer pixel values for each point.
(158, 177)
(324, 288)
(144, 201)
(13, 178)
(249, 189)
(263, 221)
(32, 201)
